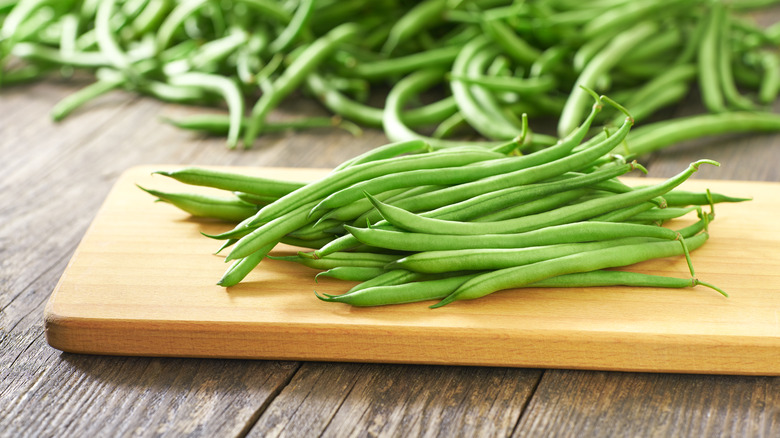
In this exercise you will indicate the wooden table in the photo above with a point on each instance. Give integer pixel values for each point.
(54, 177)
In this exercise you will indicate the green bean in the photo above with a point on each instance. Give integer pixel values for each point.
(351, 273)
(599, 65)
(409, 221)
(229, 90)
(294, 75)
(389, 150)
(303, 243)
(218, 124)
(533, 164)
(678, 198)
(269, 232)
(416, 19)
(232, 181)
(208, 54)
(350, 212)
(400, 293)
(501, 279)
(675, 75)
(352, 259)
(483, 98)
(228, 209)
(297, 25)
(391, 67)
(730, 92)
(625, 15)
(372, 216)
(490, 127)
(42, 53)
(548, 168)
(75, 100)
(502, 198)
(242, 267)
(412, 292)
(389, 278)
(105, 36)
(658, 135)
(623, 214)
(17, 16)
(658, 48)
(567, 233)
(510, 42)
(660, 215)
(589, 49)
(709, 73)
(174, 20)
(340, 104)
(321, 229)
(149, 18)
(392, 120)
(449, 125)
(354, 174)
(436, 262)
(662, 99)
(770, 83)
(548, 61)
(255, 199)
(521, 86)
(293, 211)
(545, 203)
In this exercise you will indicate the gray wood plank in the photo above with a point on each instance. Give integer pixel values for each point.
(338, 400)
(598, 404)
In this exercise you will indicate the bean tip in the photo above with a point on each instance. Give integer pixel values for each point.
(325, 297)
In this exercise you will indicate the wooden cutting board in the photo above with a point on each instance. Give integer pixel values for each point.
(142, 282)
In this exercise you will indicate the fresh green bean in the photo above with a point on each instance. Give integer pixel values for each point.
(242, 267)
(567, 233)
(75, 100)
(599, 65)
(294, 75)
(228, 209)
(658, 135)
(295, 27)
(501, 279)
(411, 292)
(409, 221)
(352, 259)
(232, 181)
(229, 90)
(416, 19)
(351, 273)
(709, 73)
(435, 262)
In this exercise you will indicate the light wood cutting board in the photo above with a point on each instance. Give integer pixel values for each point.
(142, 282)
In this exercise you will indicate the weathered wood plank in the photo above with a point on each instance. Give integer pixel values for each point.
(598, 404)
(338, 400)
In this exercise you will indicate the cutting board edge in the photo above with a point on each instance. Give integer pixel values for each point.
(627, 352)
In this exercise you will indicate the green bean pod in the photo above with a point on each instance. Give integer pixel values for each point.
(508, 278)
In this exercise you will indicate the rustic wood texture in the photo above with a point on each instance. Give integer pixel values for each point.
(55, 177)
(142, 283)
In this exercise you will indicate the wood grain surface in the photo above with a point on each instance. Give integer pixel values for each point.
(142, 282)
(54, 178)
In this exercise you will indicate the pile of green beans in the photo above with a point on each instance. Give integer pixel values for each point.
(415, 223)
(437, 70)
